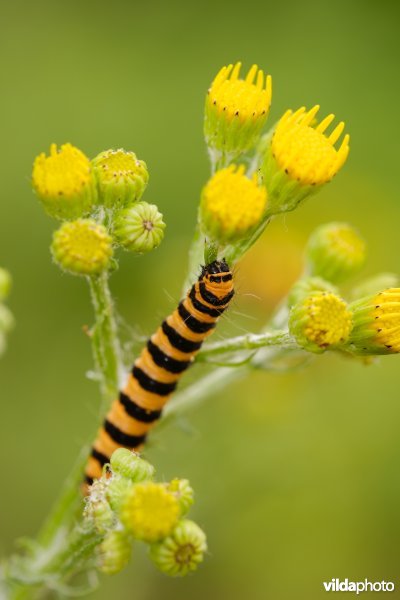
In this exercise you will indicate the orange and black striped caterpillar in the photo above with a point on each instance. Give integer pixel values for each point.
(155, 374)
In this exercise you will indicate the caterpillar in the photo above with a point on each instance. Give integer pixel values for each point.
(160, 365)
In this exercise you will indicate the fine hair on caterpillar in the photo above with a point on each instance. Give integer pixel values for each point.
(160, 365)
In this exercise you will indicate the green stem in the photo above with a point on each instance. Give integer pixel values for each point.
(105, 344)
(196, 258)
(249, 341)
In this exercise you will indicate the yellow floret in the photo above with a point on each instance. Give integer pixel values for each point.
(329, 320)
(64, 181)
(236, 109)
(386, 321)
(150, 511)
(304, 151)
(232, 204)
(243, 98)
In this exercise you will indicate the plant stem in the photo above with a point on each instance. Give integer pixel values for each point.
(249, 341)
(105, 344)
(196, 258)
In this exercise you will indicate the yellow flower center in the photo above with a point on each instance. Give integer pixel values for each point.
(150, 511)
(304, 151)
(117, 164)
(328, 319)
(64, 173)
(387, 319)
(232, 203)
(243, 98)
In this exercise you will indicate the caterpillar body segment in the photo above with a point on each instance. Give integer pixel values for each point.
(160, 365)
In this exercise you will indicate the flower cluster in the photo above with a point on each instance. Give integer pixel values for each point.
(320, 319)
(99, 202)
(291, 161)
(126, 504)
(6, 317)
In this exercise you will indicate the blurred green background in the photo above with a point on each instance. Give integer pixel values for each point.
(296, 476)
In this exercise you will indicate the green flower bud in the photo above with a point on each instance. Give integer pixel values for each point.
(375, 284)
(183, 492)
(182, 551)
(303, 287)
(82, 247)
(320, 321)
(97, 509)
(7, 321)
(64, 182)
(117, 489)
(335, 251)
(130, 465)
(121, 177)
(376, 321)
(139, 228)
(5, 284)
(114, 552)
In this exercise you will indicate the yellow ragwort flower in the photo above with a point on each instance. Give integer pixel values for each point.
(82, 247)
(64, 182)
(149, 511)
(236, 109)
(304, 151)
(321, 320)
(232, 205)
(376, 323)
(335, 251)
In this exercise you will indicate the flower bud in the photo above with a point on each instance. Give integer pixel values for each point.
(117, 489)
(300, 157)
(236, 110)
(335, 251)
(232, 205)
(149, 511)
(183, 492)
(320, 321)
(7, 320)
(121, 177)
(97, 509)
(114, 552)
(64, 182)
(304, 287)
(5, 284)
(82, 247)
(182, 551)
(130, 465)
(376, 321)
(374, 284)
(139, 228)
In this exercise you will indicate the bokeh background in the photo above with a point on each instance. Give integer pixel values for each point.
(296, 476)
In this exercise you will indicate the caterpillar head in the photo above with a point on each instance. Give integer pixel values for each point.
(218, 278)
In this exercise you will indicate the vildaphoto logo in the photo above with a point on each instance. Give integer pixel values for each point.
(335, 585)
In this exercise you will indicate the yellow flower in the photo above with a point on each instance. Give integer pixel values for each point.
(335, 251)
(149, 511)
(376, 323)
(304, 151)
(64, 182)
(82, 247)
(321, 320)
(236, 109)
(232, 205)
(121, 177)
